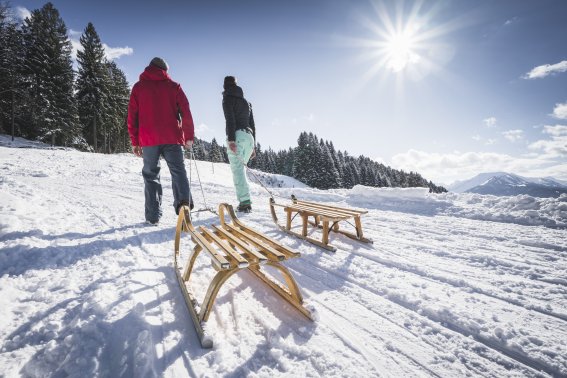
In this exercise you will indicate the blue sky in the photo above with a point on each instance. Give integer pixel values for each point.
(445, 88)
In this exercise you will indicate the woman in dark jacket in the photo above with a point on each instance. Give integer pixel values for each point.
(241, 136)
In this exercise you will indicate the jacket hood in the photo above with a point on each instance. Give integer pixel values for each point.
(154, 73)
(233, 90)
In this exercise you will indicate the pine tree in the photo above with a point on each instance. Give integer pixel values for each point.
(259, 162)
(199, 150)
(11, 61)
(116, 133)
(92, 87)
(216, 155)
(49, 70)
(330, 174)
(303, 163)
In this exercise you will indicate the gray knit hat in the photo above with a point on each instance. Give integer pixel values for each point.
(159, 62)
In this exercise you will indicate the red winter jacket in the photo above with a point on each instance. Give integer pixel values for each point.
(156, 103)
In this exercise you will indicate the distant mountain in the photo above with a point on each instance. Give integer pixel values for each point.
(508, 184)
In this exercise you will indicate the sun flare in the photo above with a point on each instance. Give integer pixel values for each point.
(400, 50)
(406, 41)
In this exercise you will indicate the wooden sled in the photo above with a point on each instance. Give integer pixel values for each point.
(231, 247)
(324, 216)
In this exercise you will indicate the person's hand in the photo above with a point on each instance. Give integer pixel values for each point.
(137, 150)
(232, 146)
(253, 154)
(188, 144)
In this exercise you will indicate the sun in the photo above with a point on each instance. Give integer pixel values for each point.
(400, 50)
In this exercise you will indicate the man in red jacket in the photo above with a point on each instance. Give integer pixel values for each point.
(160, 124)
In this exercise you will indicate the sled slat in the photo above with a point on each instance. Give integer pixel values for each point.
(271, 252)
(260, 258)
(240, 261)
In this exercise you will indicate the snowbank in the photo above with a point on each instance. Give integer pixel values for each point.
(521, 209)
(6, 141)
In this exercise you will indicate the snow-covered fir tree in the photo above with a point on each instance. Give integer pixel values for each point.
(49, 76)
(11, 61)
(115, 132)
(93, 92)
(199, 150)
(216, 153)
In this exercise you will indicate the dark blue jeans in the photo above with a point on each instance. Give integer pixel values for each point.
(173, 155)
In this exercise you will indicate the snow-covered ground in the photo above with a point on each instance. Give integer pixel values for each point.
(454, 285)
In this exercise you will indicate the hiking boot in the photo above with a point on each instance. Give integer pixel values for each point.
(185, 203)
(244, 208)
(153, 223)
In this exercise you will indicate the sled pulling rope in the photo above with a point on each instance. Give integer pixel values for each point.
(232, 247)
(324, 216)
(192, 160)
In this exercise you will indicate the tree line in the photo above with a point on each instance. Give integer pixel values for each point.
(317, 163)
(42, 96)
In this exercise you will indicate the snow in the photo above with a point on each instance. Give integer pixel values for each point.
(454, 284)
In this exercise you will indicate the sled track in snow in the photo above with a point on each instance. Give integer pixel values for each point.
(408, 267)
(455, 283)
(509, 262)
(513, 363)
(361, 349)
(519, 358)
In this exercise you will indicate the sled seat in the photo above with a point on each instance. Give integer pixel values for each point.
(323, 216)
(231, 247)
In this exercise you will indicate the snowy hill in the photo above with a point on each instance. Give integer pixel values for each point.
(508, 184)
(454, 285)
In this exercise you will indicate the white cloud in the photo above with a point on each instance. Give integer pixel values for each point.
(513, 135)
(490, 121)
(490, 142)
(556, 131)
(546, 70)
(560, 111)
(22, 13)
(446, 168)
(113, 53)
(546, 157)
(202, 129)
(75, 47)
(75, 34)
(477, 138)
(511, 21)
(556, 147)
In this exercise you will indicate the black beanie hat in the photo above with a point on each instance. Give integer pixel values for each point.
(228, 81)
(159, 62)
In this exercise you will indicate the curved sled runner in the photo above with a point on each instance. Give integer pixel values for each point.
(231, 247)
(324, 216)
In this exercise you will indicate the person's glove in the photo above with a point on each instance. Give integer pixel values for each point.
(137, 150)
(188, 144)
(232, 146)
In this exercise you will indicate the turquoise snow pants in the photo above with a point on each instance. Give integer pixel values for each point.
(244, 147)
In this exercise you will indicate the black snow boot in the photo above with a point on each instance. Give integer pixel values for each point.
(244, 208)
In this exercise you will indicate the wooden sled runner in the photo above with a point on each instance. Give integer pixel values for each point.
(324, 216)
(231, 247)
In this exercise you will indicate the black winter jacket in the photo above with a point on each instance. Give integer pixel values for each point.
(237, 112)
